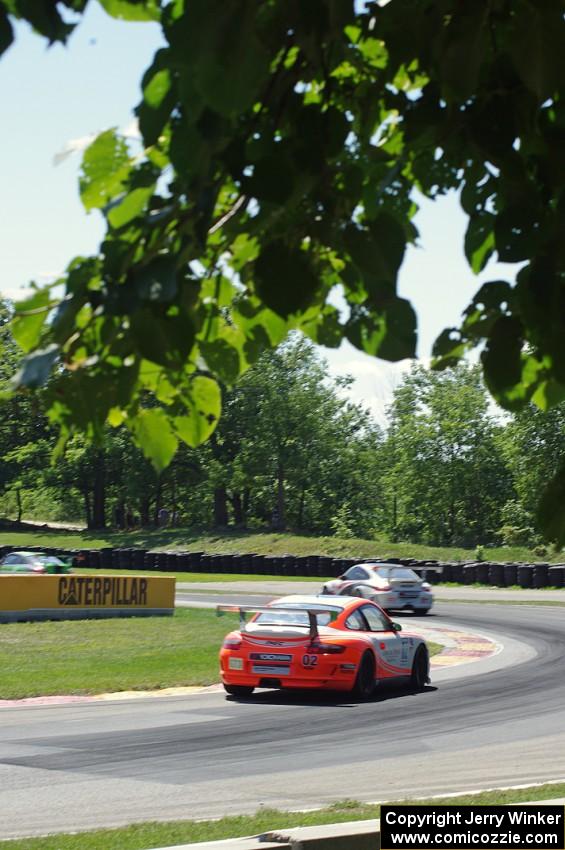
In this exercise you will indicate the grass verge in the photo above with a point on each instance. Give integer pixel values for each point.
(97, 656)
(142, 836)
(262, 543)
(94, 656)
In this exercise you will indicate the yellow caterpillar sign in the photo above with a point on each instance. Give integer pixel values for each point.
(64, 597)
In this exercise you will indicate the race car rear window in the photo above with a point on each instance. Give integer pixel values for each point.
(298, 618)
(394, 572)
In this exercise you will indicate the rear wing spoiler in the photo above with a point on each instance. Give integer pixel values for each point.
(242, 610)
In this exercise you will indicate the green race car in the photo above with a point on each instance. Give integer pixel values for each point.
(34, 563)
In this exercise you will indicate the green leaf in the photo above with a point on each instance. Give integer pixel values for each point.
(156, 281)
(231, 73)
(203, 402)
(549, 394)
(45, 16)
(365, 330)
(491, 301)
(222, 359)
(502, 362)
(400, 331)
(26, 329)
(448, 349)
(159, 95)
(244, 249)
(284, 278)
(324, 326)
(132, 205)
(479, 240)
(551, 508)
(273, 178)
(153, 433)
(390, 334)
(467, 38)
(536, 37)
(6, 31)
(132, 10)
(36, 368)
(166, 340)
(517, 230)
(105, 168)
(378, 250)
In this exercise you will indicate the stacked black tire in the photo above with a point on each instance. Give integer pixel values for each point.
(494, 574)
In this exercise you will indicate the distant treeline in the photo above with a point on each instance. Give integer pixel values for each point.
(291, 451)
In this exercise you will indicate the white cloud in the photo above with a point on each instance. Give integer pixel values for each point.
(374, 380)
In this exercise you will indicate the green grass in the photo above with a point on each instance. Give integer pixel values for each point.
(94, 656)
(210, 578)
(142, 836)
(172, 539)
(536, 602)
(97, 656)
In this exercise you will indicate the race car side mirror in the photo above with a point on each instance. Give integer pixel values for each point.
(396, 627)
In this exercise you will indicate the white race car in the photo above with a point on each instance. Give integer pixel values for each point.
(393, 587)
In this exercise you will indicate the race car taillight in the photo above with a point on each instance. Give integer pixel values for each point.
(426, 586)
(232, 643)
(38, 569)
(326, 648)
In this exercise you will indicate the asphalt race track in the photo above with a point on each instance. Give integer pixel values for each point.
(100, 764)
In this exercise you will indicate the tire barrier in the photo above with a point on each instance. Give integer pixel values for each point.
(469, 574)
(495, 574)
(482, 573)
(556, 576)
(511, 575)
(526, 575)
(541, 575)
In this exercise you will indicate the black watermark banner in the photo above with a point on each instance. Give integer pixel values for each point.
(472, 827)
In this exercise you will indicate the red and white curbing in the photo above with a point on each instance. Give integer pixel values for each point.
(459, 647)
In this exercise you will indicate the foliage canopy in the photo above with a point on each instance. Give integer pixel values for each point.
(282, 144)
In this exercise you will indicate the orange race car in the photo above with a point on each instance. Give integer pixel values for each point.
(338, 643)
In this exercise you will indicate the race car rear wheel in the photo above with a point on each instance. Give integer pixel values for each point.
(421, 611)
(420, 666)
(365, 679)
(238, 690)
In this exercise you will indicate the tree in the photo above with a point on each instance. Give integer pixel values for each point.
(25, 435)
(533, 446)
(282, 162)
(288, 447)
(446, 481)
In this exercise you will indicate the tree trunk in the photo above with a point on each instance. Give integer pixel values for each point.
(301, 508)
(144, 511)
(394, 519)
(237, 505)
(87, 506)
(220, 507)
(99, 493)
(246, 500)
(19, 504)
(279, 517)
(158, 494)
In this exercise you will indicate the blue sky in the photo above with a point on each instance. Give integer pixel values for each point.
(53, 95)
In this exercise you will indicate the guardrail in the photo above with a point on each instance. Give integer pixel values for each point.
(491, 573)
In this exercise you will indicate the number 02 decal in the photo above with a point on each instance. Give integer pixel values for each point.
(309, 660)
